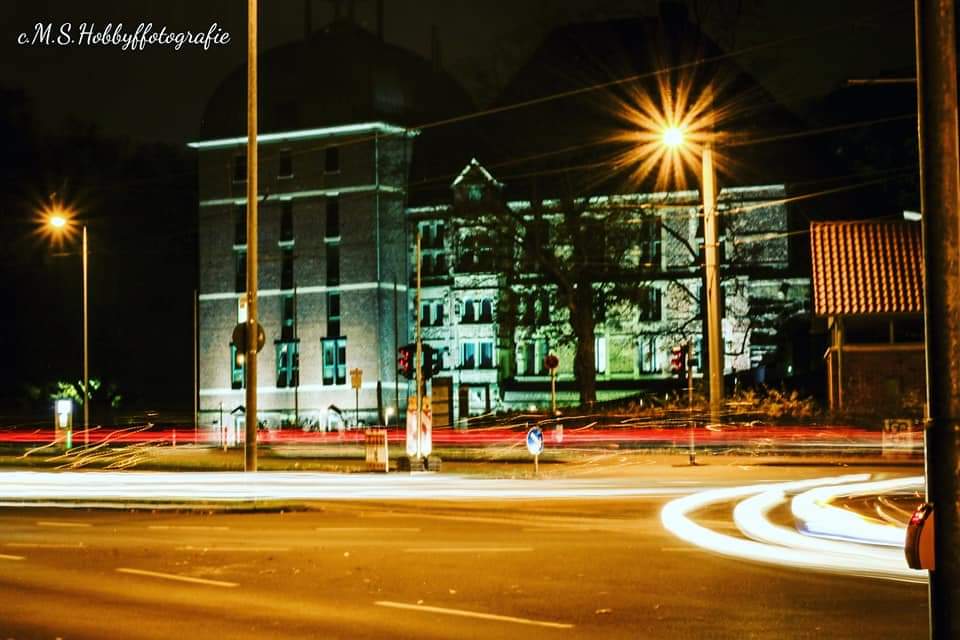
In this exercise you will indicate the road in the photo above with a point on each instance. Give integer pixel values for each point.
(561, 567)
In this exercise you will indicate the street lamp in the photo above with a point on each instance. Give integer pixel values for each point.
(58, 220)
(674, 138)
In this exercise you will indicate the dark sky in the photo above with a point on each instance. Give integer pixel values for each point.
(799, 50)
(159, 94)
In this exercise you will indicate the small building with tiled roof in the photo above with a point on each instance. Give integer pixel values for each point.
(867, 280)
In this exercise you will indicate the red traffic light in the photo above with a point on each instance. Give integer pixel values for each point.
(678, 360)
(405, 357)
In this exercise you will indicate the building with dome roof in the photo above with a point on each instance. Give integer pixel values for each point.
(336, 149)
(370, 151)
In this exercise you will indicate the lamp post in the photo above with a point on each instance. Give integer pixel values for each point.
(58, 220)
(673, 137)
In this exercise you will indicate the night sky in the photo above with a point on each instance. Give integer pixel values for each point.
(107, 129)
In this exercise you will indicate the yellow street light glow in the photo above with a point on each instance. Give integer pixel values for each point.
(58, 222)
(673, 136)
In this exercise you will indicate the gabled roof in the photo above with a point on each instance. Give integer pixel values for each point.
(866, 267)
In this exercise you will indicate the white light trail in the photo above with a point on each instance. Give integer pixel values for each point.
(786, 550)
(141, 487)
(822, 519)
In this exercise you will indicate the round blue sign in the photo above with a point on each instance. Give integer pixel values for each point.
(535, 441)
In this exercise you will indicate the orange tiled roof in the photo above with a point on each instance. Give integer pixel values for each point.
(866, 267)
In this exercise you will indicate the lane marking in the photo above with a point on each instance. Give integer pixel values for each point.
(231, 549)
(187, 527)
(467, 549)
(173, 576)
(472, 614)
(45, 545)
(51, 523)
(4, 556)
(363, 529)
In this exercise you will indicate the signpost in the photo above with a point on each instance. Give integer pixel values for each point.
(535, 446)
(356, 380)
(552, 363)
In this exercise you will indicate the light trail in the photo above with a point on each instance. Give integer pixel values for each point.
(775, 545)
(820, 518)
(75, 488)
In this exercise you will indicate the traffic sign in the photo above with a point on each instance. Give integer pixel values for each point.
(551, 361)
(356, 378)
(239, 337)
(535, 441)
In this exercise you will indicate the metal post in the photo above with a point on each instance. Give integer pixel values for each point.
(296, 381)
(939, 184)
(196, 370)
(418, 360)
(86, 370)
(396, 347)
(714, 320)
(553, 391)
(250, 442)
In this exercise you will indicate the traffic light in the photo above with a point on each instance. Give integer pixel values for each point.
(405, 357)
(678, 361)
(432, 362)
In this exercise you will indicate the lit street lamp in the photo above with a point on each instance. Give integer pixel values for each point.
(58, 220)
(674, 137)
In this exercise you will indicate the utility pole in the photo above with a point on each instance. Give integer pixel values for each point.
(939, 184)
(714, 320)
(86, 350)
(250, 442)
(418, 362)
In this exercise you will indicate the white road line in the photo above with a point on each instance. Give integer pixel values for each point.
(365, 529)
(186, 527)
(471, 614)
(45, 545)
(172, 576)
(231, 549)
(4, 556)
(50, 523)
(467, 549)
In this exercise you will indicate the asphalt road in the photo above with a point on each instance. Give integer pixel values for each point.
(546, 568)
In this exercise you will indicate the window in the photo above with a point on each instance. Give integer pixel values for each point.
(469, 315)
(486, 355)
(240, 224)
(333, 265)
(438, 314)
(649, 303)
(529, 313)
(288, 364)
(286, 221)
(438, 234)
(240, 168)
(486, 310)
(543, 312)
(334, 361)
(469, 355)
(286, 268)
(331, 160)
(333, 314)
(287, 320)
(529, 359)
(240, 270)
(600, 354)
(237, 373)
(285, 165)
(333, 217)
(649, 245)
(647, 357)
(475, 192)
(425, 314)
